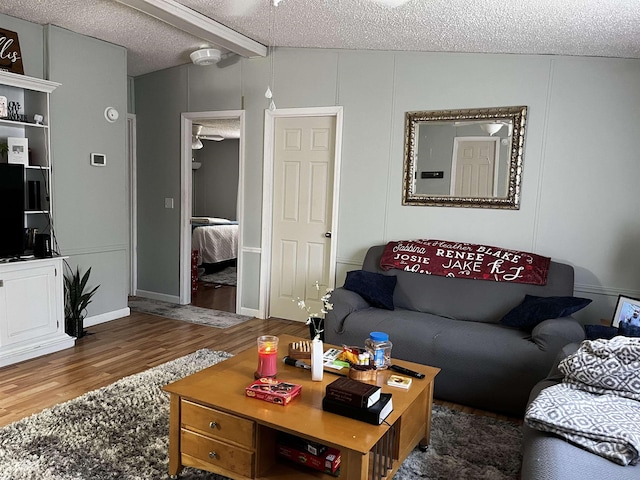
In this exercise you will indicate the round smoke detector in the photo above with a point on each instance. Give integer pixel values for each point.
(206, 56)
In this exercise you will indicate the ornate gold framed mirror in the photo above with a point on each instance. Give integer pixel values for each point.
(464, 158)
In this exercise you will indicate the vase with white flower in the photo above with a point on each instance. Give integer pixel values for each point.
(316, 320)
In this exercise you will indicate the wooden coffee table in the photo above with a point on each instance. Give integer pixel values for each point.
(215, 427)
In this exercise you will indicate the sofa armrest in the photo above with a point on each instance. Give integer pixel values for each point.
(555, 333)
(344, 302)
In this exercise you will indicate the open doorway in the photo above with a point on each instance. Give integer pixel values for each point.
(211, 211)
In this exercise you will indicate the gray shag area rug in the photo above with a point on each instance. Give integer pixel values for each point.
(228, 276)
(187, 313)
(121, 432)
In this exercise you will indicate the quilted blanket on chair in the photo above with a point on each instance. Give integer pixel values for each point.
(598, 405)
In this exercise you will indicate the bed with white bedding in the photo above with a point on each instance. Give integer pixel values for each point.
(215, 239)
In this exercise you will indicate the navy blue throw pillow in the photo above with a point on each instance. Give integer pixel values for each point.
(534, 310)
(594, 332)
(375, 288)
(629, 330)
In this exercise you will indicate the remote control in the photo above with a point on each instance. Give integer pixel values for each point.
(406, 371)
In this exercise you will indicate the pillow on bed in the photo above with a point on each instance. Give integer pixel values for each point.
(210, 221)
(375, 288)
(534, 310)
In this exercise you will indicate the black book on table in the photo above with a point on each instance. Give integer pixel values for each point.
(375, 414)
(353, 392)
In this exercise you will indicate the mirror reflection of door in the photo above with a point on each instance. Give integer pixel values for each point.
(474, 164)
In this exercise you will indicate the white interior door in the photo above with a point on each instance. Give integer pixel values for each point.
(303, 180)
(473, 170)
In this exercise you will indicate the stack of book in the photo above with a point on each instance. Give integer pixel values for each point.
(311, 454)
(357, 400)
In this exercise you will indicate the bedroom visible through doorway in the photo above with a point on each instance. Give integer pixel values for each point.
(214, 222)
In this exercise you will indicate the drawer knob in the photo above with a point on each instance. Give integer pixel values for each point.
(212, 454)
(213, 425)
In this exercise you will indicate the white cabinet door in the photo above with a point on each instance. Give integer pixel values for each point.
(28, 303)
(31, 310)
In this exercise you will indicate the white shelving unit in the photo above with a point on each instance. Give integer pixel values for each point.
(32, 291)
(33, 96)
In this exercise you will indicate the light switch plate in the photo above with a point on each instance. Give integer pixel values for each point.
(168, 203)
(98, 160)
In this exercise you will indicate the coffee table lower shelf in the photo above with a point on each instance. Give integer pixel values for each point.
(264, 463)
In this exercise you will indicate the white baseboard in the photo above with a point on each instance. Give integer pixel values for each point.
(249, 312)
(163, 297)
(106, 317)
(37, 348)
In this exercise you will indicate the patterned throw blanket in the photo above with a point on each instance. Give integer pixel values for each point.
(598, 405)
(467, 260)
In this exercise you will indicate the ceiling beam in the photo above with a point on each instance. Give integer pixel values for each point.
(201, 26)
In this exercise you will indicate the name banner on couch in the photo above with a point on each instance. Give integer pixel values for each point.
(454, 259)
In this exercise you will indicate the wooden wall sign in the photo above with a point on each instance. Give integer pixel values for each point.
(10, 55)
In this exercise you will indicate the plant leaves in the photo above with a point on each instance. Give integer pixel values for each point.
(76, 299)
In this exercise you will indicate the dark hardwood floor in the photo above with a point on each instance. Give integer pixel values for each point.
(129, 345)
(218, 297)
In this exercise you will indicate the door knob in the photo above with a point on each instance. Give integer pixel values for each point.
(327, 234)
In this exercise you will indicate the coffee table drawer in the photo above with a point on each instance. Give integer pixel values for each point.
(216, 453)
(215, 423)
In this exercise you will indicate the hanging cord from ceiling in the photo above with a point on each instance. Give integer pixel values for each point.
(271, 53)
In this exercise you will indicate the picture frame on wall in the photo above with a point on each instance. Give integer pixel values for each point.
(627, 312)
(11, 57)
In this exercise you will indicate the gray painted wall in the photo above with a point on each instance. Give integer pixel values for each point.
(580, 160)
(160, 98)
(91, 208)
(215, 183)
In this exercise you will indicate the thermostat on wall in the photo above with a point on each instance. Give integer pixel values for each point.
(98, 159)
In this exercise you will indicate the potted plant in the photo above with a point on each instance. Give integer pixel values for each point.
(76, 301)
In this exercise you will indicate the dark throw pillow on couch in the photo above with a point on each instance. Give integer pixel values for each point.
(594, 332)
(375, 288)
(629, 330)
(534, 310)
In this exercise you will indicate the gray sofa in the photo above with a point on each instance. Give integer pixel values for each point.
(549, 457)
(452, 323)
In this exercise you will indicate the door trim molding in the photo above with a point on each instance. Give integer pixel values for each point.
(133, 202)
(267, 193)
(186, 123)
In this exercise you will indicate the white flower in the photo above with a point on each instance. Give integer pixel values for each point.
(318, 317)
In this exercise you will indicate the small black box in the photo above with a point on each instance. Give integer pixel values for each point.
(34, 199)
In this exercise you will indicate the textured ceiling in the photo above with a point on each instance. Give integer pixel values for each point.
(609, 28)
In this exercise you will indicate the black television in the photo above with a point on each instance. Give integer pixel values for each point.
(11, 210)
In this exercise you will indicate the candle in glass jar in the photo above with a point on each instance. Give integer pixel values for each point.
(267, 356)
